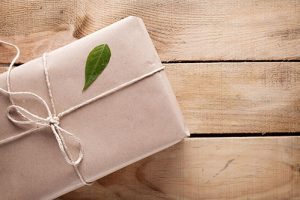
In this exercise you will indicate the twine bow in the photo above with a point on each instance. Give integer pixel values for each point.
(22, 116)
(50, 121)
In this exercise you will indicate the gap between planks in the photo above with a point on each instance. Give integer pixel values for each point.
(193, 61)
(225, 61)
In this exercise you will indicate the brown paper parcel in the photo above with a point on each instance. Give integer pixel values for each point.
(115, 131)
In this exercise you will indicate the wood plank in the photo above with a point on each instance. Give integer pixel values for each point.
(181, 30)
(3, 68)
(211, 168)
(238, 97)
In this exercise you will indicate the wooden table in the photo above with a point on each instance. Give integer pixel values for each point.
(234, 66)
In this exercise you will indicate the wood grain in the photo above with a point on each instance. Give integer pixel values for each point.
(181, 30)
(238, 97)
(215, 168)
(253, 97)
(3, 68)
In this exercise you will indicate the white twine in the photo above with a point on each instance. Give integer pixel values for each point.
(52, 120)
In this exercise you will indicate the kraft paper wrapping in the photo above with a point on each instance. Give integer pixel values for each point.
(115, 131)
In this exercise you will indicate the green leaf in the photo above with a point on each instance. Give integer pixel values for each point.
(96, 62)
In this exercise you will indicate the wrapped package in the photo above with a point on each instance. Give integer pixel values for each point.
(119, 128)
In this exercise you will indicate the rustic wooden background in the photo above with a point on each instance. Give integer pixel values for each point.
(234, 66)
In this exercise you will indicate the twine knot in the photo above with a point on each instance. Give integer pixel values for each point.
(23, 116)
(53, 120)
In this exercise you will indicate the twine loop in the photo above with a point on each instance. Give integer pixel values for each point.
(19, 115)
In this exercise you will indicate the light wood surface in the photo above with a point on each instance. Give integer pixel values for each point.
(218, 97)
(223, 168)
(181, 30)
(3, 68)
(238, 97)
